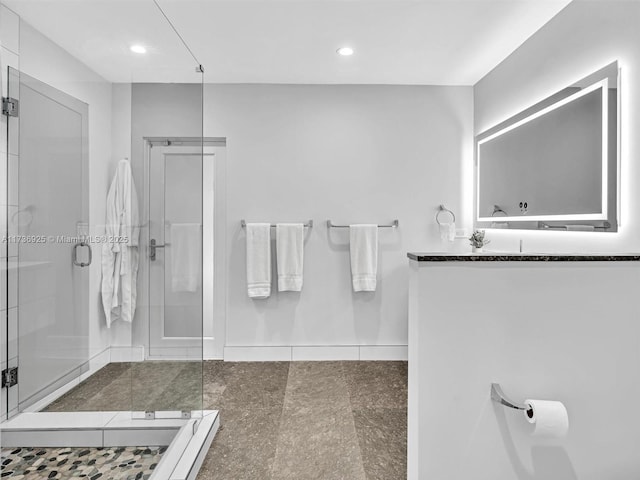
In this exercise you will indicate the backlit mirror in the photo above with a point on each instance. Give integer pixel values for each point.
(554, 166)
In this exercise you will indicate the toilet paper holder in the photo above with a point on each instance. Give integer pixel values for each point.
(498, 396)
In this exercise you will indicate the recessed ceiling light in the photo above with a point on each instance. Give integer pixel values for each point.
(345, 51)
(138, 49)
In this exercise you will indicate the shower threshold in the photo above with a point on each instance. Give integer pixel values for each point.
(188, 439)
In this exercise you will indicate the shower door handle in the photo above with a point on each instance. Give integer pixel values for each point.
(152, 249)
(75, 254)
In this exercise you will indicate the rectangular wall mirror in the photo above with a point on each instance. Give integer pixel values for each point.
(555, 165)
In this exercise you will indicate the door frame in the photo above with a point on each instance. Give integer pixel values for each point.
(213, 346)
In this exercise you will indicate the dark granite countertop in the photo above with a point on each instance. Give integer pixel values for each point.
(523, 257)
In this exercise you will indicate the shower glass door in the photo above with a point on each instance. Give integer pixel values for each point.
(173, 371)
(47, 221)
(166, 156)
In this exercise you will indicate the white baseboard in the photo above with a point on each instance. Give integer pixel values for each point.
(257, 354)
(315, 353)
(325, 353)
(187, 354)
(96, 363)
(205, 351)
(384, 352)
(133, 353)
(209, 349)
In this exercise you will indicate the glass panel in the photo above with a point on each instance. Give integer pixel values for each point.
(167, 159)
(50, 219)
(175, 203)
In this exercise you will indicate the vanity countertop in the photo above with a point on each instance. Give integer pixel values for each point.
(522, 257)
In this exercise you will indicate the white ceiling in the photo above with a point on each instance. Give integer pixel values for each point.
(432, 42)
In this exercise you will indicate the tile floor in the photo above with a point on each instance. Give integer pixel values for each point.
(122, 463)
(279, 420)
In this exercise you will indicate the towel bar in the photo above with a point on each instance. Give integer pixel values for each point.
(394, 224)
(309, 224)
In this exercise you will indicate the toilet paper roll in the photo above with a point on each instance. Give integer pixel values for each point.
(550, 418)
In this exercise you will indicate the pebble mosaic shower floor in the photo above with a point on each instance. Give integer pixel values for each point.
(113, 463)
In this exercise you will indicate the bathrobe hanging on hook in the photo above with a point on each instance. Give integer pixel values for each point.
(120, 248)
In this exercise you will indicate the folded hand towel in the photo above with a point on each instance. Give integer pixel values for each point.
(364, 257)
(259, 260)
(289, 256)
(186, 256)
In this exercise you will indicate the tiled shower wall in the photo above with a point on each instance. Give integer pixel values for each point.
(9, 57)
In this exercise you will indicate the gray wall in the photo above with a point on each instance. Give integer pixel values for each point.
(354, 154)
(577, 342)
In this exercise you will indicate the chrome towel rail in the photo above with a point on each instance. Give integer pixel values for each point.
(394, 224)
(309, 224)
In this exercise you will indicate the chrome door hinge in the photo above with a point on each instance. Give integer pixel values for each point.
(10, 106)
(10, 377)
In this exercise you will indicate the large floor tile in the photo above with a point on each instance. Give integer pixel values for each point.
(150, 381)
(377, 384)
(107, 389)
(253, 385)
(317, 443)
(317, 437)
(382, 436)
(244, 447)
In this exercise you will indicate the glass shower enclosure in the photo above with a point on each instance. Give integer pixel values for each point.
(56, 348)
(48, 254)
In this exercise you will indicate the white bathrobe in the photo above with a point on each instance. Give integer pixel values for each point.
(120, 258)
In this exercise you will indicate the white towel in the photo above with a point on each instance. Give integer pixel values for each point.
(186, 256)
(448, 231)
(258, 260)
(289, 256)
(364, 257)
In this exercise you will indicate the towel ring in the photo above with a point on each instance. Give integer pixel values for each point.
(497, 209)
(441, 209)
